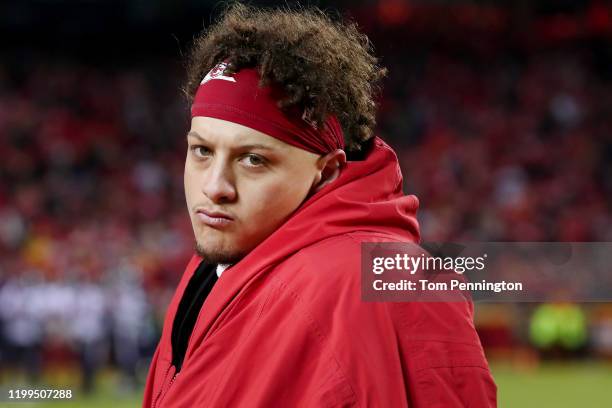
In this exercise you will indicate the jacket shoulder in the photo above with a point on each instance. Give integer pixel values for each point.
(330, 259)
(338, 255)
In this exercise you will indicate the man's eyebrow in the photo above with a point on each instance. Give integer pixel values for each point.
(195, 134)
(257, 146)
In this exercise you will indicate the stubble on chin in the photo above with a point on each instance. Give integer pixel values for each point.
(218, 257)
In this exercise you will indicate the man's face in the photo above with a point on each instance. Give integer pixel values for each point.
(240, 186)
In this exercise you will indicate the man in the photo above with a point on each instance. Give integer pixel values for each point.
(283, 181)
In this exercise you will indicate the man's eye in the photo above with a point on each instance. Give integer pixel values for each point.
(253, 160)
(200, 151)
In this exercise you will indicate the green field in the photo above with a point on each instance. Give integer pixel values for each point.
(559, 385)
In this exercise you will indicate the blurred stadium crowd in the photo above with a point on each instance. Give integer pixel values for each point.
(502, 137)
(92, 221)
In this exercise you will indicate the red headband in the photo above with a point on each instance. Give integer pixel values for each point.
(238, 98)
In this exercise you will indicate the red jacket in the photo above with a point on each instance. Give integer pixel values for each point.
(286, 326)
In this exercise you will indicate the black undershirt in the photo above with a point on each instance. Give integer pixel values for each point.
(198, 288)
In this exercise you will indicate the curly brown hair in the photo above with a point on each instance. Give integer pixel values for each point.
(322, 64)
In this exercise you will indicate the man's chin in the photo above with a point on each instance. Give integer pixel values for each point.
(218, 256)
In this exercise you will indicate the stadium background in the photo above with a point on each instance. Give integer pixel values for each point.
(501, 115)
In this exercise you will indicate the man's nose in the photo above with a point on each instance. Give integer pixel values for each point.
(218, 184)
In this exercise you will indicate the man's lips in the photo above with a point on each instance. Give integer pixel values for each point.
(215, 219)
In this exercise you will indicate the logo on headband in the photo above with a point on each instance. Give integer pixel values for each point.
(307, 117)
(217, 73)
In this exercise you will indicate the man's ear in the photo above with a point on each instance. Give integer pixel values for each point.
(329, 167)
